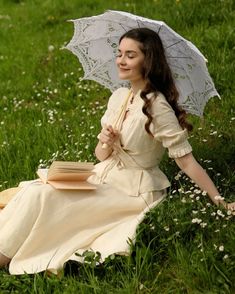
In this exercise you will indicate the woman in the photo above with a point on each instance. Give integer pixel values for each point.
(42, 228)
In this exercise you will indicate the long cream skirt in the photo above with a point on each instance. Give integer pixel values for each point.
(41, 228)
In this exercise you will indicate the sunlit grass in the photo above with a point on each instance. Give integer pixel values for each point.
(186, 245)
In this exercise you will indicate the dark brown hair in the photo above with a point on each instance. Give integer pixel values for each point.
(157, 73)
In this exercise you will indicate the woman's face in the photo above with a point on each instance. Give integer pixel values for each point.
(130, 60)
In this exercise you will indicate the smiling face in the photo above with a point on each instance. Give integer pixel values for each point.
(130, 61)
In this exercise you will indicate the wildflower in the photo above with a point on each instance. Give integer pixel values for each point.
(177, 177)
(203, 225)
(196, 220)
(225, 256)
(213, 133)
(221, 248)
(152, 227)
(51, 48)
(220, 213)
(166, 228)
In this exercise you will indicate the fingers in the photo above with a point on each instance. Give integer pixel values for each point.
(231, 207)
(108, 135)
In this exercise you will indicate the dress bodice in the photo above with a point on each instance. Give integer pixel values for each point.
(134, 163)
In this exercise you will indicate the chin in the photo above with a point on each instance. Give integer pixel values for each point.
(123, 77)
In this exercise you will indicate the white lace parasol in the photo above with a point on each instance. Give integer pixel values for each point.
(95, 42)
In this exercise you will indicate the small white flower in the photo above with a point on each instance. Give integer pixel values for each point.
(51, 48)
(219, 212)
(221, 248)
(203, 225)
(226, 256)
(166, 228)
(213, 133)
(196, 220)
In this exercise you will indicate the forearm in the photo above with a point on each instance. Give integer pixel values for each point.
(195, 171)
(102, 153)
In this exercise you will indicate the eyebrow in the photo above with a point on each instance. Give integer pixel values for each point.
(128, 51)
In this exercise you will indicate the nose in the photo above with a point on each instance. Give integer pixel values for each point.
(121, 60)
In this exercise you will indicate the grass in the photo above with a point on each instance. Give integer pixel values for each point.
(185, 245)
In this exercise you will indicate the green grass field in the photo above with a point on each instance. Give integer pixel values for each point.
(186, 245)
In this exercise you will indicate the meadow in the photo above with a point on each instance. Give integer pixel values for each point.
(186, 244)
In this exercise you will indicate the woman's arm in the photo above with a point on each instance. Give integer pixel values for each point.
(193, 169)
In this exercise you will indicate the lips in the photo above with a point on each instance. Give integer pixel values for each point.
(123, 69)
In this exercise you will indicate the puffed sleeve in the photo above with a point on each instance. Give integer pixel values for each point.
(167, 129)
(114, 104)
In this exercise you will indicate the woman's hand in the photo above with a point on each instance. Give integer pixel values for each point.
(108, 135)
(231, 207)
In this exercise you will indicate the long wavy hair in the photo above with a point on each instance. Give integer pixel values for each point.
(157, 73)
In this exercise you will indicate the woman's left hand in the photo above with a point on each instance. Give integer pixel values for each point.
(231, 207)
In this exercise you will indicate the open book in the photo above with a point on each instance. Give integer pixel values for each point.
(68, 175)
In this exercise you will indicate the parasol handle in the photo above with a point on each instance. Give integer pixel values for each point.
(120, 115)
(105, 146)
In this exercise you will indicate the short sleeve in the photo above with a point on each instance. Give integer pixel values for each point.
(167, 129)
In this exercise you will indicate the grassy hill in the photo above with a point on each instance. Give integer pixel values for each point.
(185, 245)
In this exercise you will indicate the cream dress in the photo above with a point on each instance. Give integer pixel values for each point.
(41, 228)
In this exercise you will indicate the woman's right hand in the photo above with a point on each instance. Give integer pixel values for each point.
(108, 135)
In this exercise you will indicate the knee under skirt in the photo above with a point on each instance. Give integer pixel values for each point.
(41, 228)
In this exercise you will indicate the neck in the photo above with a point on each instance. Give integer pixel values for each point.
(137, 85)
